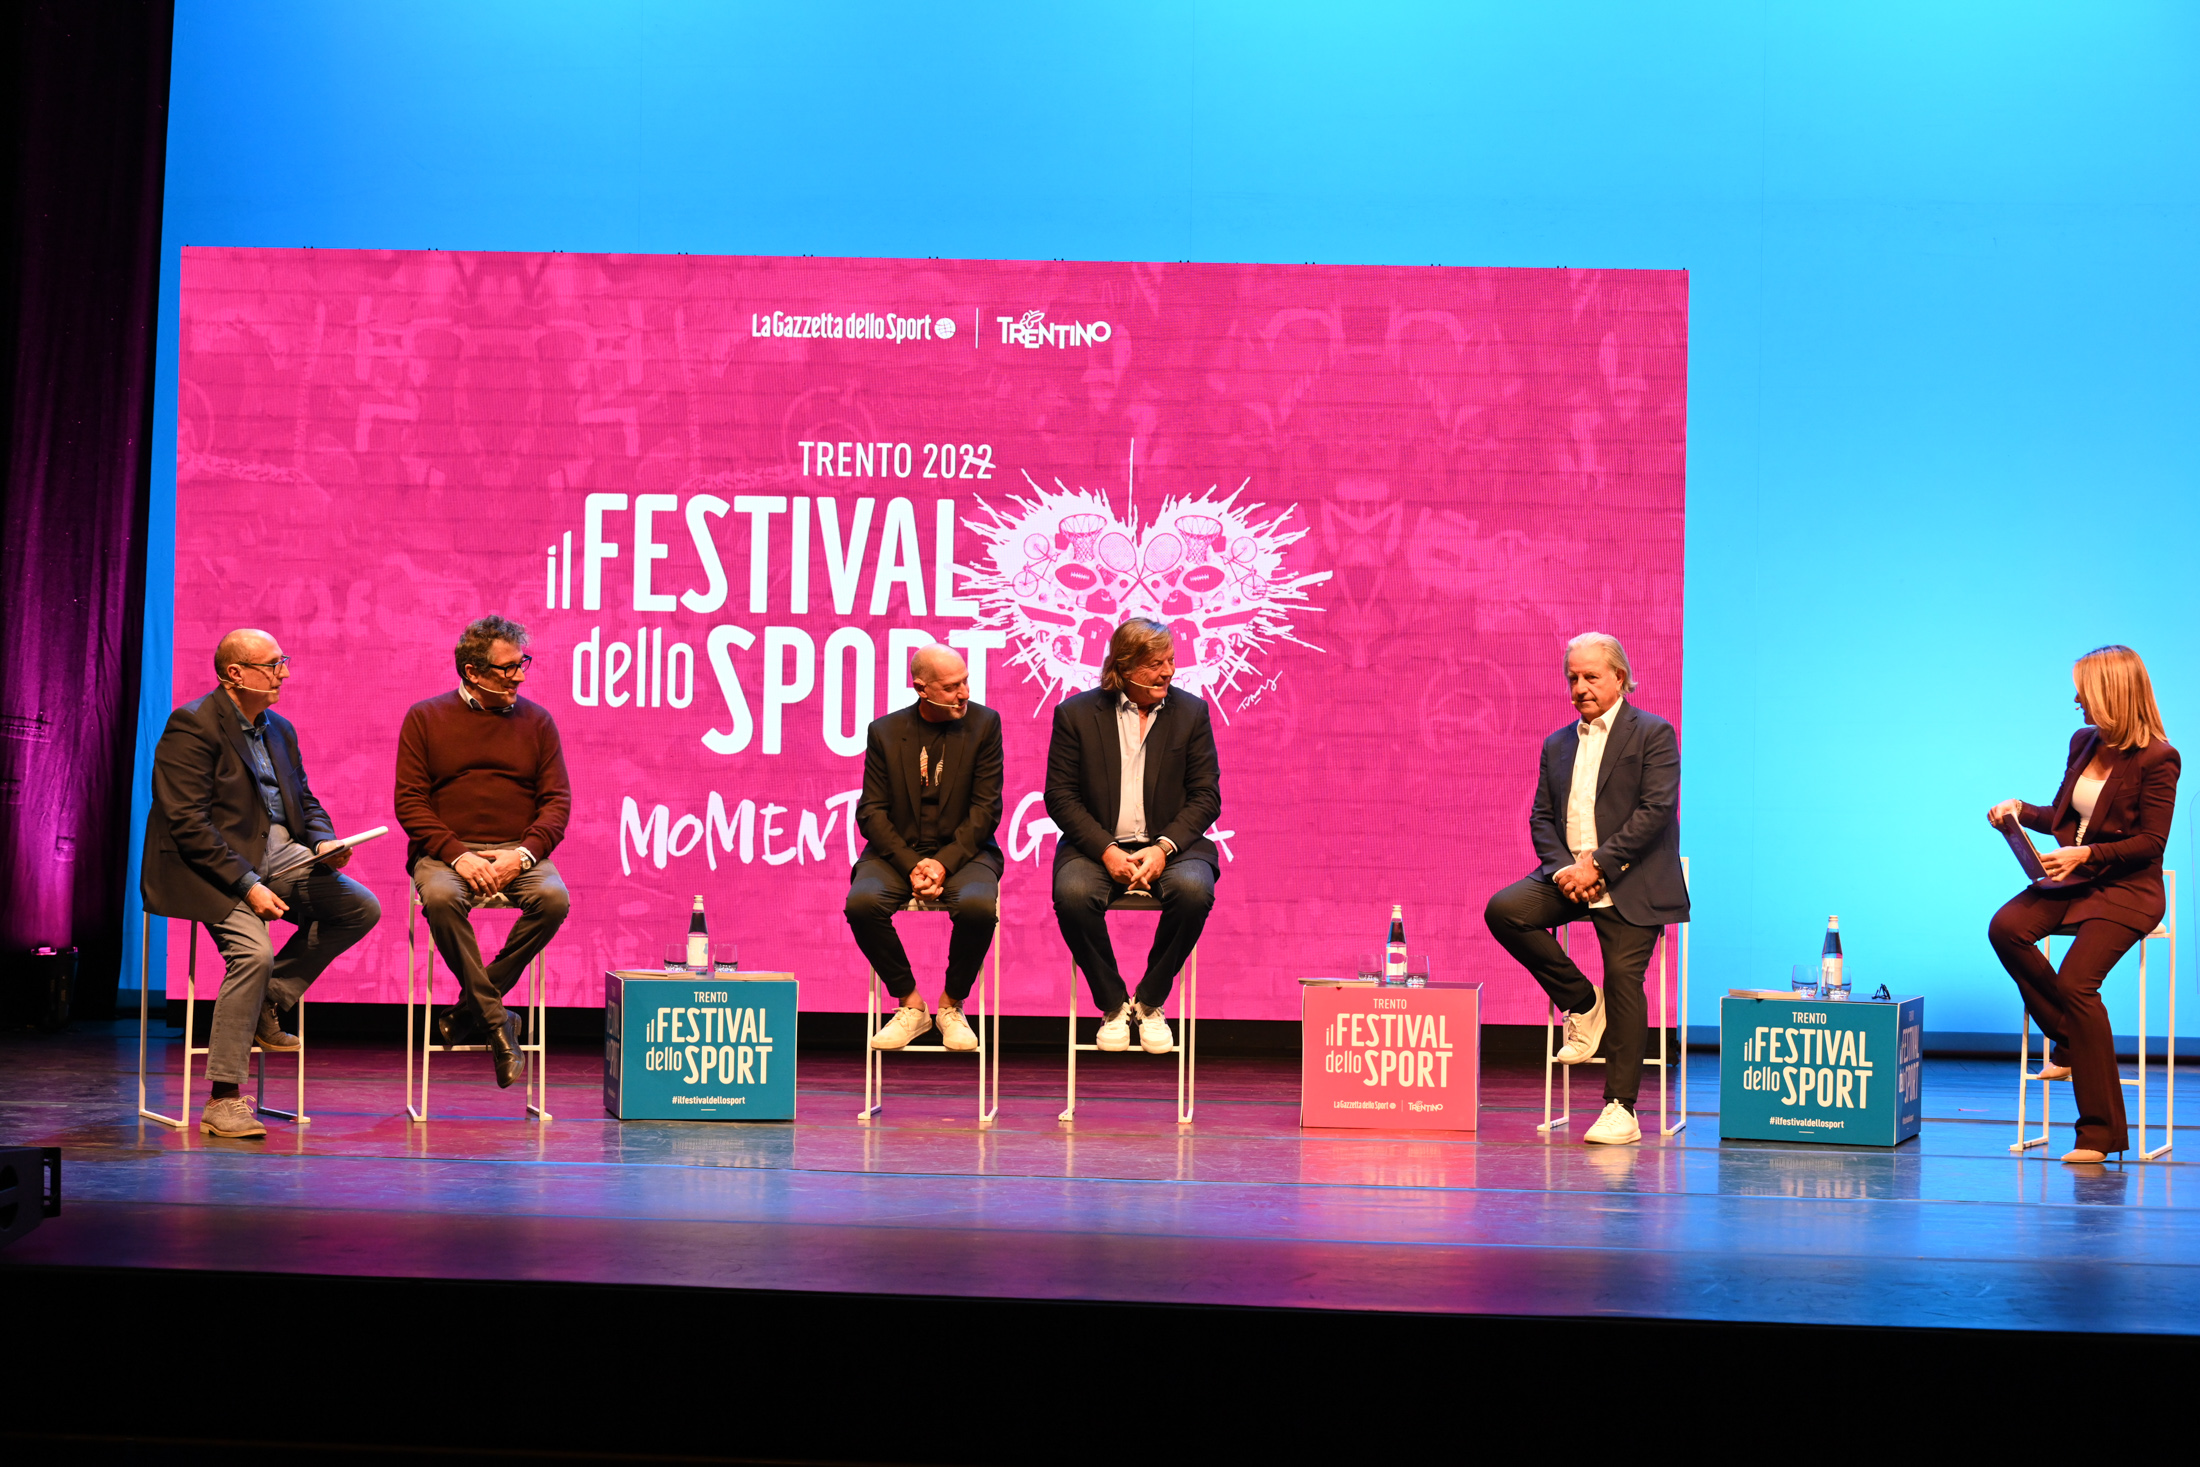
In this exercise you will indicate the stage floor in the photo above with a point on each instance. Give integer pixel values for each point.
(1243, 1208)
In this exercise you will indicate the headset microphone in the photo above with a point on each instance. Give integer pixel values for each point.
(950, 707)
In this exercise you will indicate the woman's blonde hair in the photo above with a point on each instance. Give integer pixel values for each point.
(1134, 641)
(2119, 694)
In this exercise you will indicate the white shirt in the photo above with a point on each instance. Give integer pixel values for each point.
(2084, 795)
(1132, 731)
(1581, 799)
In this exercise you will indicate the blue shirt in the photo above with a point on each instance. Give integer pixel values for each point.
(263, 766)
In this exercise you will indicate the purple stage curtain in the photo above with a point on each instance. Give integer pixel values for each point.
(84, 110)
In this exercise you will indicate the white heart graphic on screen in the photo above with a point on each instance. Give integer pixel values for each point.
(1065, 570)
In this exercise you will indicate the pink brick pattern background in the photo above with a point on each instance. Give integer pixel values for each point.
(377, 446)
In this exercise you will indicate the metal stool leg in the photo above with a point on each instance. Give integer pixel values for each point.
(1069, 1109)
(537, 1055)
(145, 989)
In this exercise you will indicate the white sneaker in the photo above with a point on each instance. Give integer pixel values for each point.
(1115, 1031)
(1153, 1030)
(1584, 1032)
(908, 1022)
(955, 1032)
(1616, 1127)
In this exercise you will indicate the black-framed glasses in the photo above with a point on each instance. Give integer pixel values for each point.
(280, 664)
(509, 669)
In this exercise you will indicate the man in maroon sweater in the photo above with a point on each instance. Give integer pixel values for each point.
(481, 791)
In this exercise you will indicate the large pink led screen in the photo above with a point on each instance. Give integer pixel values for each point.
(728, 496)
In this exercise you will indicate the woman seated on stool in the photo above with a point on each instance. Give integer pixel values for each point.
(2111, 818)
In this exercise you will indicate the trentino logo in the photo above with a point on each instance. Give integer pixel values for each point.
(1032, 329)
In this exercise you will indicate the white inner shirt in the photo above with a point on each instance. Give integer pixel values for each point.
(1132, 731)
(1581, 799)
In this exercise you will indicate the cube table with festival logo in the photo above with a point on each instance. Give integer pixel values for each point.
(699, 1047)
(1390, 1058)
(1813, 1069)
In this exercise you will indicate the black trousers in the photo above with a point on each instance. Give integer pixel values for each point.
(1518, 918)
(448, 904)
(2067, 1004)
(877, 891)
(1082, 891)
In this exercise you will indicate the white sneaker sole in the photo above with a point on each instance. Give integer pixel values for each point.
(959, 1043)
(1591, 1138)
(887, 1041)
(1111, 1046)
(1167, 1046)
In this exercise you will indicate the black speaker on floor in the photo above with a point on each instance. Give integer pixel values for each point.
(37, 987)
(30, 1189)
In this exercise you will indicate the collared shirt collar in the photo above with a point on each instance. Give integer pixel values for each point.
(1603, 721)
(253, 726)
(480, 707)
(1123, 702)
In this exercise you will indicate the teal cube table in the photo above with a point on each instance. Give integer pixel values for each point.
(699, 1047)
(1812, 1069)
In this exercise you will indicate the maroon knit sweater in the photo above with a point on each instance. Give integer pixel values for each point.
(465, 775)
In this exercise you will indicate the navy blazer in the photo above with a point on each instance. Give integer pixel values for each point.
(1085, 776)
(207, 828)
(1638, 820)
(2122, 871)
(970, 791)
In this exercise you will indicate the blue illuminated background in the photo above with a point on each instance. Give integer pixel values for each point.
(1944, 310)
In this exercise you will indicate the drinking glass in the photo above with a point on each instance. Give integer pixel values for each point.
(1371, 967)
(676, 956)
(725, 957)
(1417, 971)
(1805, 980)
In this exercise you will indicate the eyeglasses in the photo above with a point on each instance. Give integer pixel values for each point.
(509, 669)
(280, 664)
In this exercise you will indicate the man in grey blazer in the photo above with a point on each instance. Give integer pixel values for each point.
(1133, 784)
(232, 822)
(931, 801)
(1606, 828)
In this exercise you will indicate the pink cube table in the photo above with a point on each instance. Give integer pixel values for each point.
(1388, 1059)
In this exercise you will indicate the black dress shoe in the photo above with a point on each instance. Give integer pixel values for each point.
(457, 1026)
(505, 1053)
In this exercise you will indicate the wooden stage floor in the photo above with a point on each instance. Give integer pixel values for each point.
(1244, 1208)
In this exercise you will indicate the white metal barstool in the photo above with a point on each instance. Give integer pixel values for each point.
(1186, 1046)
(534, 1036)
(1665, 1062)
(191, 1051)
(989, 1045)
(2027, 1074)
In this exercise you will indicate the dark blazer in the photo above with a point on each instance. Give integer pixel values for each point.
(1085, 775)
(970, 793)
(1638, 824)
(2122, 874)
(206, 834)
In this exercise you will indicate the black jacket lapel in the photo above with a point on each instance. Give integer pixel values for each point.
(1617, 741)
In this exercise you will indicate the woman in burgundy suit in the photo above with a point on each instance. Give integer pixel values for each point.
(2111, 818)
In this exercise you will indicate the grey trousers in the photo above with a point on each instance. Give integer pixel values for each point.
(448, 903)
(331, 912)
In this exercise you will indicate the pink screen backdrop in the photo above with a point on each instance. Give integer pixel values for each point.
(729, 495)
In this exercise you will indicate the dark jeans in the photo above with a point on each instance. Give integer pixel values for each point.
(1518, 917)
(2067, 1005)
(876, 891)
(448, 903)
(331, 911)
(1082, 891)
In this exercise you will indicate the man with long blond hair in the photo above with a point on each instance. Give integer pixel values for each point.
(2111, 819)
(1133, 782)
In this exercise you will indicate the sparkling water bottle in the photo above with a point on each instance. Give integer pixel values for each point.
(1832, 983)
(1394, 952)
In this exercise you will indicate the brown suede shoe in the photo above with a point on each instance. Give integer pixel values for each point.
(271, 1035)
(230, 1116)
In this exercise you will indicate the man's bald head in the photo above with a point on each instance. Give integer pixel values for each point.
(246, 644)
(942, 681)
(936, 664)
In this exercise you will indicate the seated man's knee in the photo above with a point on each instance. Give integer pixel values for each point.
(1195, 891)
(1502, 913)
(975, 904)
(366, 908)
(553, 901)
(442, 894)
(1077, 890)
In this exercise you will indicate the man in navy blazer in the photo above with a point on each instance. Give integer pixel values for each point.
(232, 819)
(1606, 828)
(1133, 785)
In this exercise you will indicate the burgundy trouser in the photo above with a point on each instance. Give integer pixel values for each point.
(2067, 1004)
